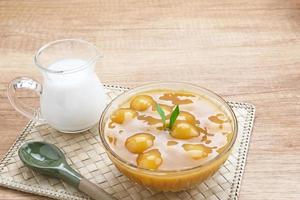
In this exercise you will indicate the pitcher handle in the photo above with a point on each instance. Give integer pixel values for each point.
(21, 83)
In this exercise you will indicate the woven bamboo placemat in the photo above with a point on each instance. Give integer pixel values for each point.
(85, 153)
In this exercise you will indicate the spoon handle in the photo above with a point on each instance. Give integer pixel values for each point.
(92, 190)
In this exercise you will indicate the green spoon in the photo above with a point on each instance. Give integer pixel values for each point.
(49, 160)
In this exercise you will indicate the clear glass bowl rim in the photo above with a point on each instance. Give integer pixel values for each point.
(164, 172)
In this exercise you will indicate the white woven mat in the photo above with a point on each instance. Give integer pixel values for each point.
(85, 153)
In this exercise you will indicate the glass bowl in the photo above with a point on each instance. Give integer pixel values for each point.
(168, 180)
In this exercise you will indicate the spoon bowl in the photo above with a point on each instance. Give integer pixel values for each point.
(41, 155)
(49, 160)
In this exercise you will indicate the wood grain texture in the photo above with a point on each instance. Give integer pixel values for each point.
(244, 50)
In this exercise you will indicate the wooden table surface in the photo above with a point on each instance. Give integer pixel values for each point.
(244, 50)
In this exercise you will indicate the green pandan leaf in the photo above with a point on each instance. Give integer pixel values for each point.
(161, 113)
(174, 116)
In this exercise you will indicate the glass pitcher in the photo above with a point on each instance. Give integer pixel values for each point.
(71, 95)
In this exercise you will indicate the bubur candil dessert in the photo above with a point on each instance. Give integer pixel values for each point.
(160, 137)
